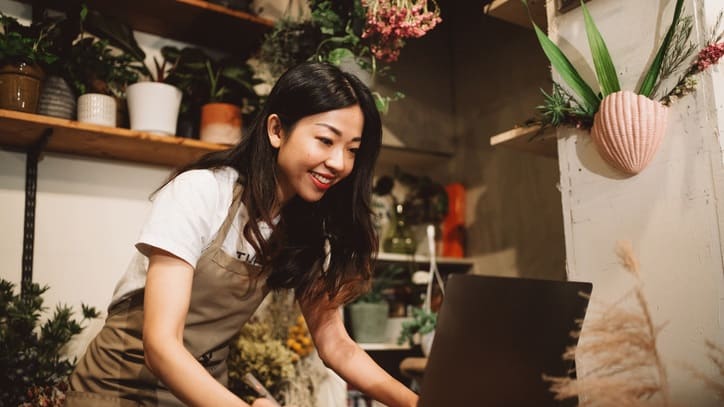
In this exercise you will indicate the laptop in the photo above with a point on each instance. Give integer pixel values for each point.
(497, 336)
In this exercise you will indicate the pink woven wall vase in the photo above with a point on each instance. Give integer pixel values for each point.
(628, 130)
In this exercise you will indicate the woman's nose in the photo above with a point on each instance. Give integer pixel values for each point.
(335, 160)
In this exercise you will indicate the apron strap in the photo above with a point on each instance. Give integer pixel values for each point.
(233, 210)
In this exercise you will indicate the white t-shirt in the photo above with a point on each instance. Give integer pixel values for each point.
(185, 218)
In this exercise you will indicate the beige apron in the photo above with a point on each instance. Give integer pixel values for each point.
(224, 296)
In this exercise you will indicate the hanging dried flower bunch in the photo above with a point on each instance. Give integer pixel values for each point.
(391, 22)
(620, 360)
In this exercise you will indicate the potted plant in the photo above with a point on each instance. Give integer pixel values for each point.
(420, 329)
(153, 104)
(32, 369)
(369, 313)
(100, 76)
(23, 49)
(57, 98)
(626, 127)
(221, 89)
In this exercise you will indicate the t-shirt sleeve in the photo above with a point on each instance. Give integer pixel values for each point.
(182, 216)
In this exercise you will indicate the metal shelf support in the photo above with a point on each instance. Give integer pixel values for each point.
(32, 156)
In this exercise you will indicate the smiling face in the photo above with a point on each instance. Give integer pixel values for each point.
(318, 153)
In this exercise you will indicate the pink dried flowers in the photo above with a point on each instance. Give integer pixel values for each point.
(709, 56)
(390, 22)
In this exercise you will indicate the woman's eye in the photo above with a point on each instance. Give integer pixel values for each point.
(325, 140)
(354, 151)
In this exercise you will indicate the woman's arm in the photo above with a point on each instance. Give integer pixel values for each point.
(344, 356)
(167, 296)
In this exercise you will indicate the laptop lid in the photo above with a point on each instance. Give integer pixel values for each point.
(497, 336)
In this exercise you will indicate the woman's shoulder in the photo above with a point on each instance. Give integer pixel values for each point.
(207, 180)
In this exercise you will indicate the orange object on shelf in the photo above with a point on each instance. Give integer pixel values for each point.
(453, 227)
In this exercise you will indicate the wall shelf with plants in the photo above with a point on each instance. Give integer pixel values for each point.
(194, 21)
(20, 131)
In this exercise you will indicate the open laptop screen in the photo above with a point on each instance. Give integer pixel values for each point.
(497, 336)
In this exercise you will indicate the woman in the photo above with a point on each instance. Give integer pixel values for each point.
(286, 208)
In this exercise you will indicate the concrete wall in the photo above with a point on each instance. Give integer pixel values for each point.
(514, 224)
(670, 212)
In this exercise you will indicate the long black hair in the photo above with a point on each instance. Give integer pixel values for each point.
(292, 257)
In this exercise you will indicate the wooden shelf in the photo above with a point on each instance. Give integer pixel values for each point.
(406, 157)
(514, 12)
(383, 346)
(444, 264)
(20, 131)
(194, 21)
(520, 139)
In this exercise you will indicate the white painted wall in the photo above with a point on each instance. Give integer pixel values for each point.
(89, 213)
(671, 211)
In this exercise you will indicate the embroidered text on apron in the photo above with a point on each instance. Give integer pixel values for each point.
(223, 297)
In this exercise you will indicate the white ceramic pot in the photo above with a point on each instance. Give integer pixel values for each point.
(153, 107)
(97, 108)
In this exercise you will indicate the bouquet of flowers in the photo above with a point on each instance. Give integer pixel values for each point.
(276, 347)
(357, 35)
(391, 22)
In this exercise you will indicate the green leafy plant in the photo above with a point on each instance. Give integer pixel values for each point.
(93, 66)
(120, 35)
(389, 276)
(334, 34)
(203, 79)
(30, 351)
(587, 104)
(25, 44)
(422, 322)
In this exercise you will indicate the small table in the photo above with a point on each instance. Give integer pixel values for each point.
(414, 368)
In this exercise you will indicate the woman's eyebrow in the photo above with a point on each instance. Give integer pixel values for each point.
(336, 130)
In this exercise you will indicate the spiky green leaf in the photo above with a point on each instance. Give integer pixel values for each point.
(652, 76)
(568, 72)
(605, 70)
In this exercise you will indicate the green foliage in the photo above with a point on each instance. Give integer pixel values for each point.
(422, 322)
(30, 351)
(605, 71)
(332, 35)
(560, 108)
(389, 276)
(590, 101)
(120, 35)
(93, 66)
(288, 44)
(556, 108)
(652, 76)
(25, 44)
(203, 79)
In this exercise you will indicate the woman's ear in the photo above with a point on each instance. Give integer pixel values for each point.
(274, 130)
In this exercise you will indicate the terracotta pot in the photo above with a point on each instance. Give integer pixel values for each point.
(220, 123)
(628, 130)
(20, 87)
